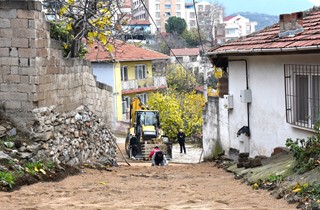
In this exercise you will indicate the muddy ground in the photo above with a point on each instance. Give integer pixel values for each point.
(140, 186)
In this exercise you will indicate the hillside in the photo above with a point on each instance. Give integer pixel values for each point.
(263, 20)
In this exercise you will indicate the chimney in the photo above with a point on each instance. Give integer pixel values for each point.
(290, 24)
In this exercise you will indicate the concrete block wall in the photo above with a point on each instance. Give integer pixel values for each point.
(33, 72)
(215, 128)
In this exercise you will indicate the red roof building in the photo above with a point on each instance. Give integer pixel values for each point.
(123, 52)
(303, 34)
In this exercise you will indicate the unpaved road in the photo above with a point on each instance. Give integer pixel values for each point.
(140, 186)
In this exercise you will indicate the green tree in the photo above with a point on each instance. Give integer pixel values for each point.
(91, 20)
(192, 37)
(175, 25)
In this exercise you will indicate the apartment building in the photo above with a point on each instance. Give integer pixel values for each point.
(159, 10)
(237, 26)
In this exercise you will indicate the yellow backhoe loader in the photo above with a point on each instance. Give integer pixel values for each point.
(145, 124)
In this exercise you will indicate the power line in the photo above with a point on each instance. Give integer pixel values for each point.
(198, 28)
(162, 35)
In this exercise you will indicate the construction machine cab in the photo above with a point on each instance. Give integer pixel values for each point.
(145, 125)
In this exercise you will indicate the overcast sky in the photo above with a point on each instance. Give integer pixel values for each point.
(272, 7)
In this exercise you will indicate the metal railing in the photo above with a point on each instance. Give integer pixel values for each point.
(156, 81)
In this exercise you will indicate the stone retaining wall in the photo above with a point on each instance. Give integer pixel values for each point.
(34, 73)
(71, 138)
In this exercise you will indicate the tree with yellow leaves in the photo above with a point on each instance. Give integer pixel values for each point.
(178, 110)
(91, 20)
(180, 79)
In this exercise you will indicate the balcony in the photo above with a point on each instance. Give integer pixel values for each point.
(143, 85)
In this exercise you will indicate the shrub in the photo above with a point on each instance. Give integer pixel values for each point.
(7, 179)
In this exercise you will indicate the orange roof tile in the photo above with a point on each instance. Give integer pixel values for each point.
(122, 52)
(268, 40)
(139, 22)
(228, 17)
(185, 51)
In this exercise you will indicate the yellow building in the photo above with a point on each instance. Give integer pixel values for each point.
(128, 70)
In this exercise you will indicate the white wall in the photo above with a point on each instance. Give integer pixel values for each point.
(267, 118)
(104, 73)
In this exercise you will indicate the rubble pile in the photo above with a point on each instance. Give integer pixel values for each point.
(70, 138)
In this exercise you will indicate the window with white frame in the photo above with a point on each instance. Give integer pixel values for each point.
(167, 6)
(125, 104)
(157, 14)
(157, 6)
(124, 73)
(178, 14)
(140, 71)
(143, 97)
(178, 7)
(302, 91)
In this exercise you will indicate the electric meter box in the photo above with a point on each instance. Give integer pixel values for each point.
(228, 101)
(245, 96)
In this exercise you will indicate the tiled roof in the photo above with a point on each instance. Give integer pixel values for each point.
(139, 22)
(268, 40)
(127, 4)
(228, 18)
(185, 51)
(122, 52)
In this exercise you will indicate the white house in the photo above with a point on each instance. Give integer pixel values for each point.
(273, 86)
(237, 26)
(188, 57)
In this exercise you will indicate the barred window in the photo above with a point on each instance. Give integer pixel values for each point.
(302, 90)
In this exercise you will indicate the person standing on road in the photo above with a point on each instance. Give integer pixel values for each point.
(134, 143)
(181, 136)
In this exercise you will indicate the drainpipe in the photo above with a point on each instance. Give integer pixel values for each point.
(247, 87)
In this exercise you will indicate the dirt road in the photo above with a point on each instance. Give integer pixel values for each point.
(140, 186)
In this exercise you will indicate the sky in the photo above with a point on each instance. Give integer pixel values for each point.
(271, 7)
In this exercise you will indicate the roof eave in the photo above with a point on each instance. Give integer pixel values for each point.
(264, 51)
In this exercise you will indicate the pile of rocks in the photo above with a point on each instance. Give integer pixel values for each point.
(71, 138)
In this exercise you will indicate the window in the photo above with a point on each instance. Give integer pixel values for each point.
(231, 31)
(178, 6)
(192, 15)
(178, 14)
(167, 14)
(125, 104)
(302, 90)
(124, 73)
(193, 58)
(143, 97)
(207, 7)
(157, 14)
(192, 23)
(140, 71)
(200, 7)
(167, 6)
(158, 22)
(157, 6)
